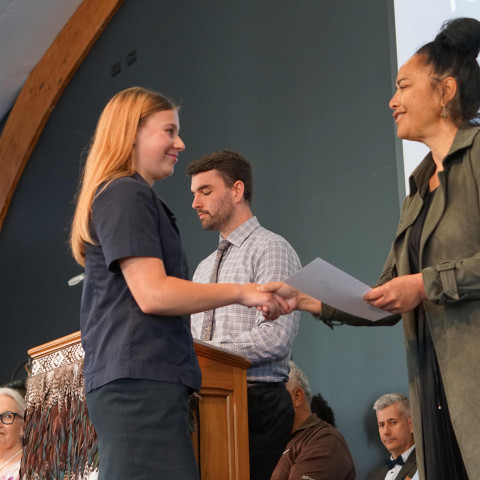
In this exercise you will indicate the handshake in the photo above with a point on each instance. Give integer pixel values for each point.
(278, 298)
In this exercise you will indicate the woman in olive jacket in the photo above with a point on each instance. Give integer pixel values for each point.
(432, 274)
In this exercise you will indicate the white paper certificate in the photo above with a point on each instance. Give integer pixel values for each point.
(331, 285)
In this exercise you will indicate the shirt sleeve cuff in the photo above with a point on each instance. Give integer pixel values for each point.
(326, 315)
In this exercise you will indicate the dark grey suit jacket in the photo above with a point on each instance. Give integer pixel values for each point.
(409, 468)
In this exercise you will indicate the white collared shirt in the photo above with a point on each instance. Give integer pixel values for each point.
(392, 473)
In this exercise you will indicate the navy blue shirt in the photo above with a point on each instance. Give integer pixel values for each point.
(120, 341)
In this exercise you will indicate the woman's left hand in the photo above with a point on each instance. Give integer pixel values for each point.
(399, 295)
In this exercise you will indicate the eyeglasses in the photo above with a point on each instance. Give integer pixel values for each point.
(8, 418)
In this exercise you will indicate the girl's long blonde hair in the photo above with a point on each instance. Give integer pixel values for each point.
(111, 154)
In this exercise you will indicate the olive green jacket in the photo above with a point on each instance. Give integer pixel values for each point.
(450, 264)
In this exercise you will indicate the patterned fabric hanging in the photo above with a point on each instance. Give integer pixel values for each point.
(59, 440)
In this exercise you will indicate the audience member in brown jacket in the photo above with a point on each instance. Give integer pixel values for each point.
(316, 450)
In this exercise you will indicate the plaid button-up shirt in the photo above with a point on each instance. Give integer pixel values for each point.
(255, 256)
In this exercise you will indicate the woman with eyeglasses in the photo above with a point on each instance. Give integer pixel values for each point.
(12, 409)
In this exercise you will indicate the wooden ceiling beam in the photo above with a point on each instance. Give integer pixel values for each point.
(43, 88)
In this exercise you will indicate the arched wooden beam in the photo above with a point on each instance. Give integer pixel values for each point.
(43, 88)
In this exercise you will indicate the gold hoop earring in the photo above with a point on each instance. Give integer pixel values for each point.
(444, 113)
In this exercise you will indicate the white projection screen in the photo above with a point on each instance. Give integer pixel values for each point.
(416, 23)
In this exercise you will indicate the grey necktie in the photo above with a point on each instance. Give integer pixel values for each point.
(207, 325)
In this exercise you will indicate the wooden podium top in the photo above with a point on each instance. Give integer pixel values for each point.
(202, 349)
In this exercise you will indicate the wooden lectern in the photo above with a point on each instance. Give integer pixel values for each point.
(221, 437)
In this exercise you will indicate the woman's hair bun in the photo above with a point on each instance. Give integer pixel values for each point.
(462, 34)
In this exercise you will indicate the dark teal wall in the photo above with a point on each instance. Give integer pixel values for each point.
(300, 88)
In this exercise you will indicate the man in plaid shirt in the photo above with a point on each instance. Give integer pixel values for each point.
(222, 188)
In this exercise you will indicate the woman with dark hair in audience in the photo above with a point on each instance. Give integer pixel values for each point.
(323, 410)
(432, 274)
